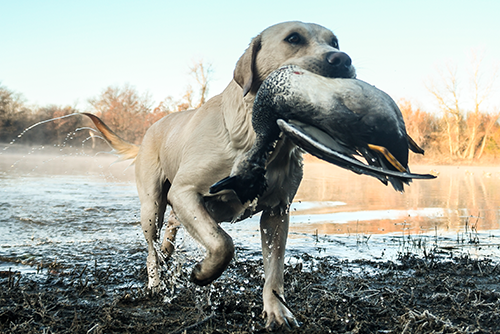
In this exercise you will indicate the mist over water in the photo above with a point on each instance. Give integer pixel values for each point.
(72, 206)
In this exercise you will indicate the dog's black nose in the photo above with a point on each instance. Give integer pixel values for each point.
(339, 59)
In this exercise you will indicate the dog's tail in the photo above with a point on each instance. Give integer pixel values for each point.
(124, 149)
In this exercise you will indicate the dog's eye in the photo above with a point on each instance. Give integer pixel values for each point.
(294, 38)
(335, 43)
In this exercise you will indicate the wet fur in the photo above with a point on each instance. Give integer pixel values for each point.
(184, 153)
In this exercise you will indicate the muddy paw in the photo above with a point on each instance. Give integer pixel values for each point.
(282, 318)
(155, 286)
(201, 279)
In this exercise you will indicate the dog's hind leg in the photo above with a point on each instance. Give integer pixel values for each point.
(274, 232)
(152, 222)
(172, 227)
(152, 191)
(189, 209)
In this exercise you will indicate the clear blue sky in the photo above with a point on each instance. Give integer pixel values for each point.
(64, 52)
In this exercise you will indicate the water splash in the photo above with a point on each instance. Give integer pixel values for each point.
(60, 147)
(37, 124)
(175, 270)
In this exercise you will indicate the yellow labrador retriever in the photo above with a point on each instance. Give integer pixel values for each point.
(184, 153)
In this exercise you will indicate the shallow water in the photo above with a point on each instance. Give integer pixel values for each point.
(72, 208)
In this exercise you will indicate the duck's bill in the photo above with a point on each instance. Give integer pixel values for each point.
(325, 148)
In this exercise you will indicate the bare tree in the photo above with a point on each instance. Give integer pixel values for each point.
(122, 107)
(202, 73)
(193, 98)
(13, 114)
(481, 91)
(447, 97)
(125, 109)
(467, 120)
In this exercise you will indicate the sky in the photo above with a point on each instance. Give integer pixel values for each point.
(65, 52)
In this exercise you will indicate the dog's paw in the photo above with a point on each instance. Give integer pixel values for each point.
(277, 313)
(155, 286)
(280, 318)
(201, 277)
(247, 186)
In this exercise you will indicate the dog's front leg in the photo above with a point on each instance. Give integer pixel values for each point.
(189, 209)
(274, 232)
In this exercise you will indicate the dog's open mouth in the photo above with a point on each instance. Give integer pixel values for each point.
(322, 145)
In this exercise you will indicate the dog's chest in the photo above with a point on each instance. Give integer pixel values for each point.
(283, 174)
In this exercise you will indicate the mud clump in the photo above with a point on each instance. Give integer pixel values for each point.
(410, 295)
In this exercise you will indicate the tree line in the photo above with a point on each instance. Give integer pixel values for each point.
(463, 128)
(123, 108)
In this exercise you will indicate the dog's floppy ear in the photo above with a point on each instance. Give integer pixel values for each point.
(245, 68)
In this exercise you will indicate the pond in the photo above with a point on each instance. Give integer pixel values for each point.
(74, 207)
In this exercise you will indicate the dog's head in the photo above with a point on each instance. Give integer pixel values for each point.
(308, 45)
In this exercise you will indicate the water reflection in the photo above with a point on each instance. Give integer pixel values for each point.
(66, 207)
(360, 204)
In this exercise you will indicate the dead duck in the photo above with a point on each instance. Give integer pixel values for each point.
(334, 119)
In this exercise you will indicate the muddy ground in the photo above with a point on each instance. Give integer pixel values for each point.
(433, 294)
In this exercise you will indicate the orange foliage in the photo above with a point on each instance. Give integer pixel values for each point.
(420, 125)
(126, 112)
(479, 135)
